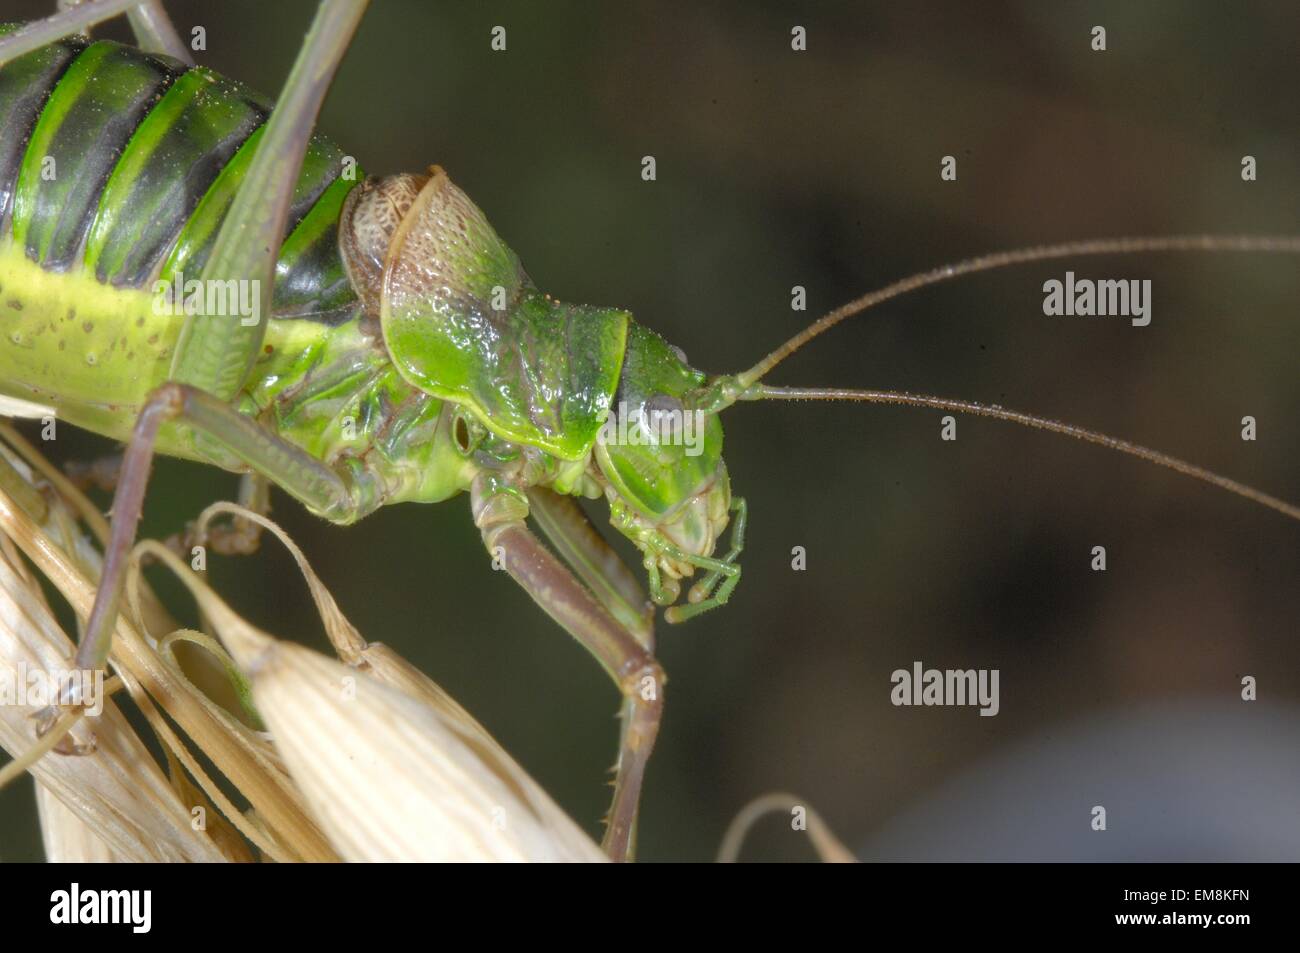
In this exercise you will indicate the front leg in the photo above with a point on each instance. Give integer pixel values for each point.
(595, 562)
(500, 509)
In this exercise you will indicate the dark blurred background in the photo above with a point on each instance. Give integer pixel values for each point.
(821, 169)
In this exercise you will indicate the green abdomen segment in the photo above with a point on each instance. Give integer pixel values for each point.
(117, 169)
(123, 165)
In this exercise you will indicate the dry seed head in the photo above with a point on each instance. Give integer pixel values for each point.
(375, 658)
(118, 793)
(115, 790)
(391, 778)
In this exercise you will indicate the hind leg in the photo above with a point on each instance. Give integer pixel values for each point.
(152, 27)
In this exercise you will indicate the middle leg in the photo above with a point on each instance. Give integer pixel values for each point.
(331, 494)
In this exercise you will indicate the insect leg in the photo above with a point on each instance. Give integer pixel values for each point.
(242, 537)
(234, 537)
(321, 489)
(78, 19)
(237, 537)
(100, 473)
(583, 548)
(500, 510)
(655, 544)
(702, 598)
(214, 352)
(154, 31)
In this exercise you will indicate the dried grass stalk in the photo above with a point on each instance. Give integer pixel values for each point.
(366, 759)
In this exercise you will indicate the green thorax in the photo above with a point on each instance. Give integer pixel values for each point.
(463, 322)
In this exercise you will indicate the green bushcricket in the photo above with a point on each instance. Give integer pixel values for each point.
(238, 293)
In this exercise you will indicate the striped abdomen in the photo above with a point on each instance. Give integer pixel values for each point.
(124, 164)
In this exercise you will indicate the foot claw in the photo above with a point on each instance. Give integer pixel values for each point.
(47, 718)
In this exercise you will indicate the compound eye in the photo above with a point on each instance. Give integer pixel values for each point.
(663, 415)
(681, 355)
(662, 404)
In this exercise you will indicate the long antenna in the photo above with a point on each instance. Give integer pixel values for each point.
(765, 392)
(1097, 246)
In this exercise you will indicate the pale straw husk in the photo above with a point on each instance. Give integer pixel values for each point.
(118, 793)
(67, 838)
(374, 729)
(396, 779)
(365, 758)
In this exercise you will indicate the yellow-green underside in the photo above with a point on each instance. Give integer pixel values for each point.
(94, 352)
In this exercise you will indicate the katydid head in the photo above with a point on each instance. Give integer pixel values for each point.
(662, 463)
(461, 321)
(674, 504)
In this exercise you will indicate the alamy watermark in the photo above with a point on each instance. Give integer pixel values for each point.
(133, 908)
(233, 298)
(33, 687)
(947, 687)
(657, 422)
(1106, 298)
